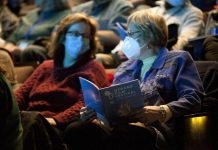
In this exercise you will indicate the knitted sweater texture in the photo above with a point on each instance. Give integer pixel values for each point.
(56, 92)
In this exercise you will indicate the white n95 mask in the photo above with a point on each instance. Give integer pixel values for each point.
(176, 2)
(131, 48)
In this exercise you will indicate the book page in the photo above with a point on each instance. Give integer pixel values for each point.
(91, 95)
(120, 100)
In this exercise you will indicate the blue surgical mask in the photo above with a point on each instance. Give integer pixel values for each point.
(76, 46)
(176, 3)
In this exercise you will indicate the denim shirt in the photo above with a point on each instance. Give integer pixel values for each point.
(172, 80)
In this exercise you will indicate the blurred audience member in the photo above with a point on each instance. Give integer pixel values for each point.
(210, 48)
(8, 22)
(183, 13)
(211, 27)
(143, 4)
(53, 89)
(10, 122)
(15, 6)
(210, 44)
(35, 28)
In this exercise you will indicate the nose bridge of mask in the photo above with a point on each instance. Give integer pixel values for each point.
(77, 46)
(76, 40)
(132, 42)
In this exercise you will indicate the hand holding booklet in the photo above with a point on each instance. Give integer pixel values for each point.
(112, 103)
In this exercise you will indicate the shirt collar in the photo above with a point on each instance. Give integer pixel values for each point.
(160, 60)
(133, 64)
(158, 63)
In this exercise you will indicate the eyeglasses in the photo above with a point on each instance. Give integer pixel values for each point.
(77, 34)
(129, 33)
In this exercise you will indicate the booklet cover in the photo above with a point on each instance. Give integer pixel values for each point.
(112, 103)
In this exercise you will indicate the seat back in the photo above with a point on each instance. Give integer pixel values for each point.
(197, 132)
(208, 71)
(39, 134)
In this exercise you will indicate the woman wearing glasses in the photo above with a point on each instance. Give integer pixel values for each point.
(54, 88)
(169, 82)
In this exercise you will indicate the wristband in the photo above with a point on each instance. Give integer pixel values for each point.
(163, 114)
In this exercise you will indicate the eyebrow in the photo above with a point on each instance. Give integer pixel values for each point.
(78, 32)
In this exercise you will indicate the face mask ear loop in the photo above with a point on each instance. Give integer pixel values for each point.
(142, 45)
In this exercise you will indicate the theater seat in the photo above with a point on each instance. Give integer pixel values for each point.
(23, 72)
(199, 131)
(110, 75)
(208, 71)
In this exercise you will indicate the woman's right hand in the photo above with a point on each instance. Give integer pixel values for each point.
(87, 114)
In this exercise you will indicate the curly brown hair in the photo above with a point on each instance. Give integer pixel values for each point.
(57, 45)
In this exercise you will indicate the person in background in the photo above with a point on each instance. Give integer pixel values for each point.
(53, 89)
(143, 4)
(15, 6)
(8, 22)
(169, 81)
(32, 34)
(183, 13)
(210, 43)
(211, 25)
(11, 130)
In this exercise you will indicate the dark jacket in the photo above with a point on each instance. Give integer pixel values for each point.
(10, 123)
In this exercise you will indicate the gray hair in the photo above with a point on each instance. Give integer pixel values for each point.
(152, 27)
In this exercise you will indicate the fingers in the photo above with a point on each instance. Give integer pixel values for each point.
(143, 115)
(87, 114)
(140, 112)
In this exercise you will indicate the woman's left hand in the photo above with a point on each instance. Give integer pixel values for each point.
(146, 115)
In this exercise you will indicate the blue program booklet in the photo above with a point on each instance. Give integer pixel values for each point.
(112, 103)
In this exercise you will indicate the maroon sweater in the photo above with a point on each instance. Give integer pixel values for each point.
(56, 92)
